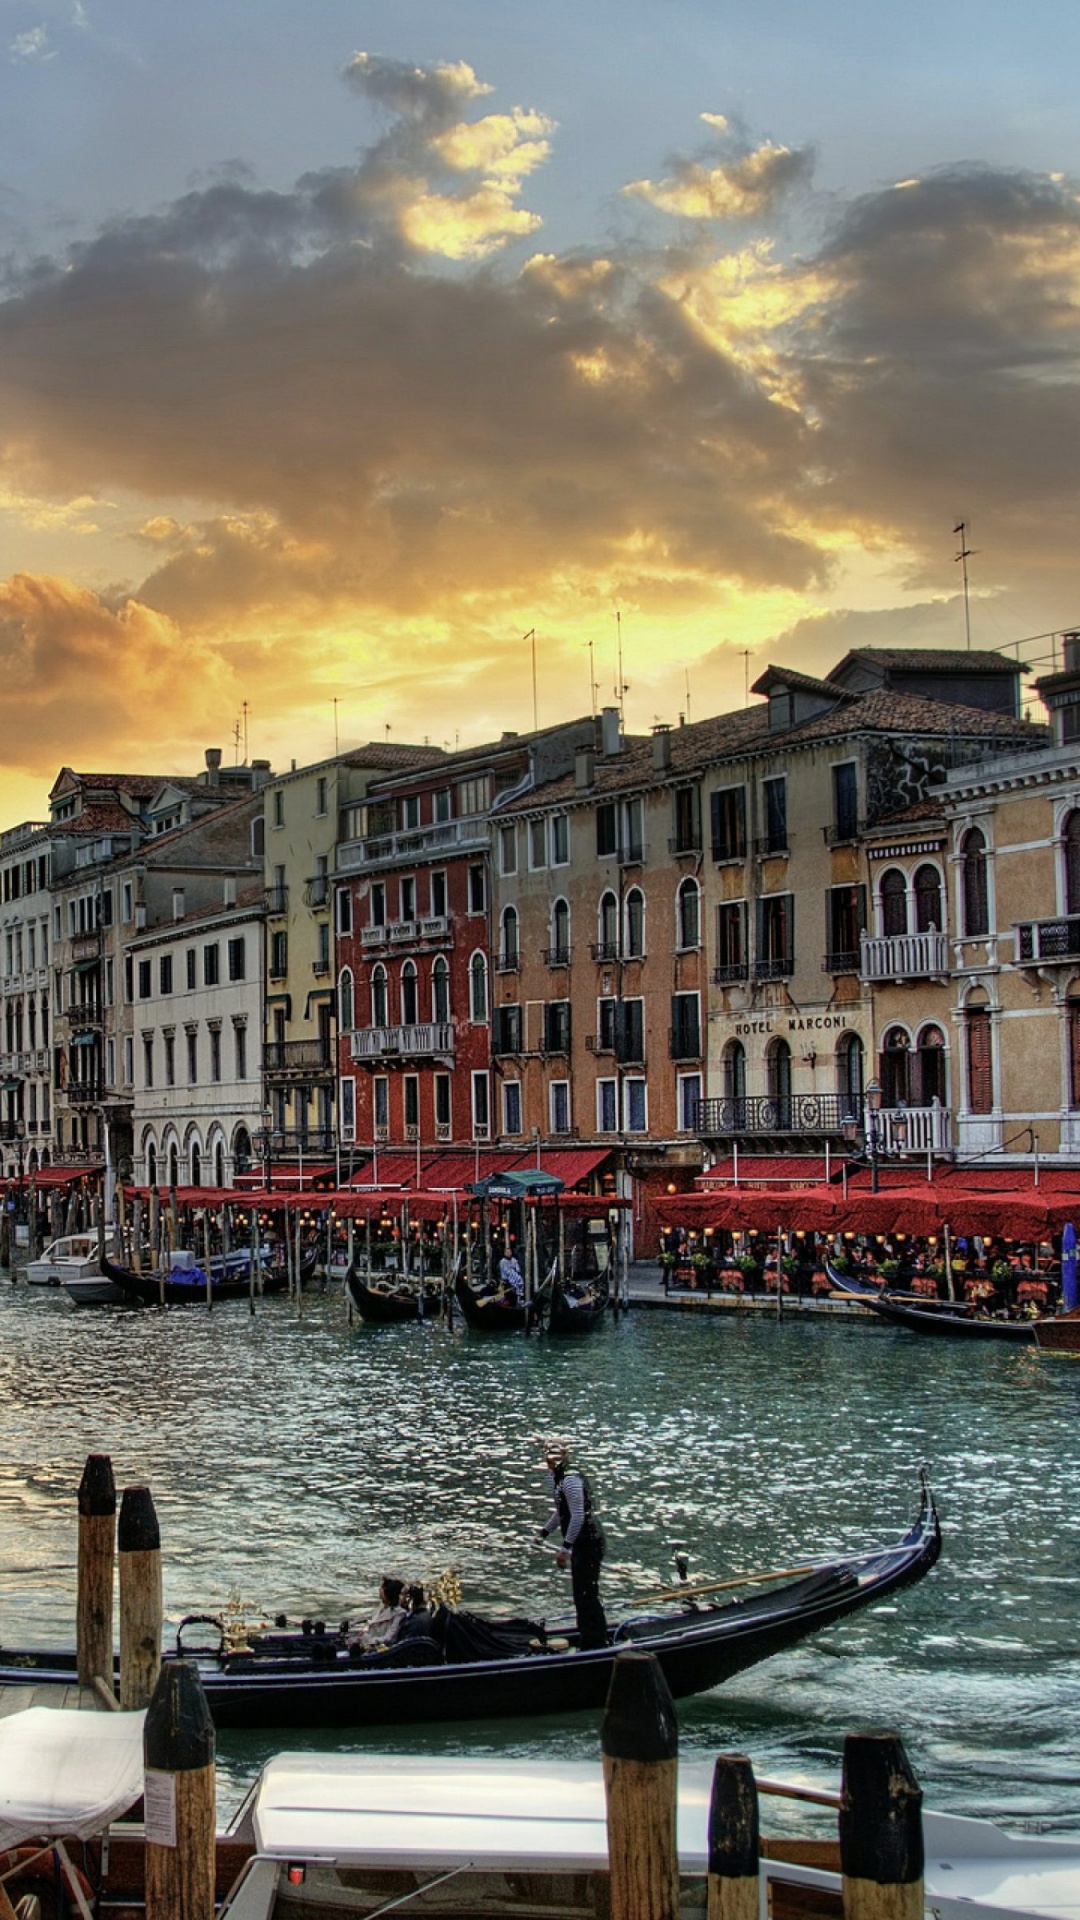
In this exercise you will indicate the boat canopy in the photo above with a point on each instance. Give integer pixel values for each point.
(63, 1772)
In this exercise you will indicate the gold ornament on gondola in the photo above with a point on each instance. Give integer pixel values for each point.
(235, 1625)
(445, 1590)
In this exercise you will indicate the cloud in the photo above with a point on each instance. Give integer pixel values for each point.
(31, 46)
(747, 184)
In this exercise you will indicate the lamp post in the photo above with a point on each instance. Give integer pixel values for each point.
(873, 1108)
(267, 1142)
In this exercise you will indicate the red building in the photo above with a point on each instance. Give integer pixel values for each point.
(414, 949)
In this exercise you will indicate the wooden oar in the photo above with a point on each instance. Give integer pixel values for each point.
(740, 1580)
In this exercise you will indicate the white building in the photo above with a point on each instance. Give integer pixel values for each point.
(26, 1131)
(198, 987)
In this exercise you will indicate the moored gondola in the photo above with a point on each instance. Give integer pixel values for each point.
(187, 1287)
(469, 1668)
(499, 1310)
(387, 1298)
(945, 1317)
(578, 1306)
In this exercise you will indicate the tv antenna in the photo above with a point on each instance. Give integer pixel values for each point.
(531, 635)
(244, 710)
(592, 679)
(965, 554)
(621, 685)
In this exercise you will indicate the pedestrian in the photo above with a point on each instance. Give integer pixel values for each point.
(582, 1548)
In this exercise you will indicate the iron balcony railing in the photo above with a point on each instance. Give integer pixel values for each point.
(803, 1113)
(780, 967)
(604, 949)
(277, 899)
(841, 961)
(731, 971)
(298, 1056)
(1053, 940)
(556, 956)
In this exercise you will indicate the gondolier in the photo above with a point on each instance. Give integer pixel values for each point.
(582, 1547)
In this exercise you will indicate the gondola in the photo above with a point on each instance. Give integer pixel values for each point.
(499, 1312)
(187, 1288)
(577, 1306)
(396, 1300)
(471, 1668)
(923, 1316)
(1059, 1332)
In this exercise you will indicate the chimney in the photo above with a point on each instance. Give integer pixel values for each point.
(584, 769)
(178, 903)
(228, 890)
(610, 733)
(661, 748)
(213, 766)
(1071, 643)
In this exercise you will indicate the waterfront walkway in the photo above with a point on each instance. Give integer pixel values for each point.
(647, 1290)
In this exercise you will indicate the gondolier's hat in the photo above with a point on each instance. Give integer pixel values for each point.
(555, 1450)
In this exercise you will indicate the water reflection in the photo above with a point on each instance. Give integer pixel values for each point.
(295, 1460)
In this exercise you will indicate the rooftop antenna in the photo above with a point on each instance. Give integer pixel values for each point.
(531, 635)
(686, 671)
(746, 652)
(236, 742)
(592, 680)
(386, 729)
(245, 713)
(337, 740)
(621, 685)
(963, 557)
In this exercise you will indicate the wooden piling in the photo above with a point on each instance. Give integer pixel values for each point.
(640, 1742)
(734, 1841)
(139, 1547)
(206, 1256)
(180, 1798)
(97, 1556)
(253, 1255)
(5, 1234)
(136, 1234)
(881, 1838)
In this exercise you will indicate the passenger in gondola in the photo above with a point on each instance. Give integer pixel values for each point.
(583, 1542)
(511, 1275)
(417, 1622)
(387, 1621)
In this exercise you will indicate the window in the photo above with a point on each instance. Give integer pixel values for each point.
(688, 1100)
(1073, 1017)
(559, 1106)
(240, 1049)
(635, 925)
(728, 809)
(506, 1030)
(126, 898)
(381, 1106)
(407, 896)
(279, 954)
(1070, 839)
(321, 794)
(974, 891)
(237, 958)
(347, 1107)
(633, 834)
(605, 1024)
(148, 1059)
(630, 1031)
(321, 963)
(776, 936)
(560, 840)
(930, 1068)
(688, 916)
(477, 890)
(409, 812)
(774, 807)
(379, 997)
(511, 1106)
(409, 995)
(537, 844)
(440, 991)
(559, 954)
(850, 1076)
(211, 965)
(215, 1053)
(411, 1105)
(478, 999)
(106, 907)
(687, 836)
(928, 915)
(557, 1026)
(170, 1060)
(345, 1000)
(778, 1081)
(438, 894)
(892, 892)
(607, 947)
(190, 958)
(344, 910)
(442, 1106)
(129, 1060)
(277, 802)
(980, 1058)
(165, 973)
(607, 830)
(440, 805)
(473, 796)
(258, 838)
(378, 903)
(145, 988)
(685, 1026)
(507, 849)
(731, 942)
(896, 1068)
(845, 917)
(845, 785)
(508, 949)
(607, 1106)
(635, 1107)
(481, 1106)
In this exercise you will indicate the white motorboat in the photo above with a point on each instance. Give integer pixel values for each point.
(73, 1257)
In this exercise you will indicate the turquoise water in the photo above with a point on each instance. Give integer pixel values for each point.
(295, 1459)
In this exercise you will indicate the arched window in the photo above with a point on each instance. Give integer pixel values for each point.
(346, 1022)
(688, 916)
(635, 924)
(850, 1076)
(241, 1151)
(778, 1079)
(980, 1052)
(219, 1164)
(174, 1165)
(893, 895)
(508, 952)
(1071, 840)
(930, 1067)
(151, 1165)
(478, 987)
(409, 1000)
(608, 927)
(560, 932)
(973, 884)
(928, 915)
(896, 1068)
(379, 1008)
(734, 1070)
(440, 991)
(196, 1164)
(1072, 1015)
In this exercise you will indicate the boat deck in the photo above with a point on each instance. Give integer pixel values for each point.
(14, 1699)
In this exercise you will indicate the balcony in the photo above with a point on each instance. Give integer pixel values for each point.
(779, 968)
(604, 949)
(436, 927)
(386, 849)
(85, 1019)
(841, 961)
(374, 936)
(794, 1113)
(401, 932)
(86, 1093)
(388, 1043)
(683, 845)
(772, 846)
(918, 1130)
(556, 956)
(317, 891)
(508, 961)
(905, 956)
(298, 1056)
(288, 1141)
(277, 900)
(843, 833)
(731, 972)
(1053, 942)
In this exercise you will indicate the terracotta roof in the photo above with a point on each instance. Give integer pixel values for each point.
(247, 899)
(930, 660)
(391, 758)
(798, 682)
(928, 809)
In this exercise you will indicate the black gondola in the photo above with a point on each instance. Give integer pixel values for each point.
(392, 1297)
(946, 1317)
(189, 1289)
(499, 1311)
(578, 1306)
(508, 1669)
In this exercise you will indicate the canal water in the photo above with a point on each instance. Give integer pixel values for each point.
(292, 1460)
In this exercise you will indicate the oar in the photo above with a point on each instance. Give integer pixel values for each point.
(740, 1580)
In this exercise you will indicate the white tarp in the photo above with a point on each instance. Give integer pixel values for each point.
(64, 1772)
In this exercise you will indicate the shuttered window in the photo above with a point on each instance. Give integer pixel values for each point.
(979, 1061)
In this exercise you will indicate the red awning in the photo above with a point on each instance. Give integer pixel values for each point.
(62, 1176)
(571, 1165)
(758, 1170)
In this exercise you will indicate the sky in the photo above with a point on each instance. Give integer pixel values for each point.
(355, 356)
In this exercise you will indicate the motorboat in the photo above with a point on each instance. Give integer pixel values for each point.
(73, 1257)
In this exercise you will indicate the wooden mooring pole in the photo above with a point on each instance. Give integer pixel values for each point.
(639, 1740)
(881, 1837)
(180, 1798)
(734, 1841)
(97, 1558)
(139, 1549)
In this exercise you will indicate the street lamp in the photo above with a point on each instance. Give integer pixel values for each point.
(873, 1108)
(267, 1141)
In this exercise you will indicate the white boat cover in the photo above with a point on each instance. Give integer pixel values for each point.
(65, 1772)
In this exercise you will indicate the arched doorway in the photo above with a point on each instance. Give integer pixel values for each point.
(778, 1079)
(196, 1164)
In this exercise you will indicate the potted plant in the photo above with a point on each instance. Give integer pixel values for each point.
(890, 1272)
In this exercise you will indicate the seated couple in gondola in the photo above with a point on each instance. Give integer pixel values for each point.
(402, 1614)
